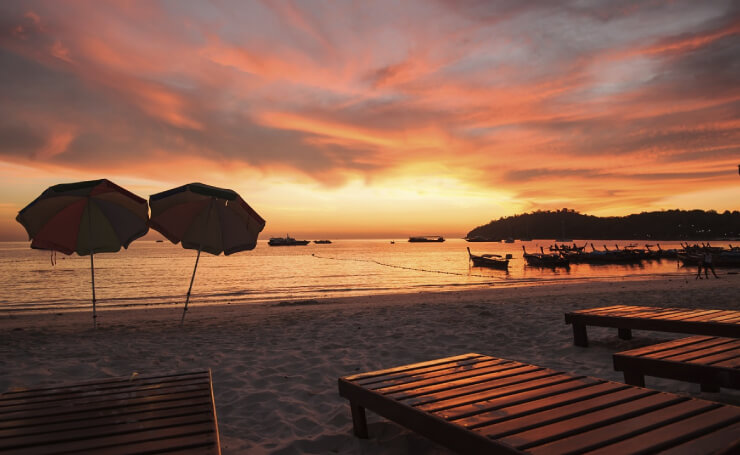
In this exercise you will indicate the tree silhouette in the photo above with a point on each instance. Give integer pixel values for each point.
(663, 225)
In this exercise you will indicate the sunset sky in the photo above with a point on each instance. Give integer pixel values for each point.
(376, 118)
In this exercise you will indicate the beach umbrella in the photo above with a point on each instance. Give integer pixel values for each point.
(95, 216)
(205, 218)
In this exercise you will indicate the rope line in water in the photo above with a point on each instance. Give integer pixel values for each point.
(373, 261)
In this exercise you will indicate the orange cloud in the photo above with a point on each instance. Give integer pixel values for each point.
(419, 138)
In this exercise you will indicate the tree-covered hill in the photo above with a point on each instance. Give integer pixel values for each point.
(565, 223)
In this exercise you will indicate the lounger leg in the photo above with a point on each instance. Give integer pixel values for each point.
(580, 337)
(625, 334)
(634, 378)
(359, 422)
(710, 388)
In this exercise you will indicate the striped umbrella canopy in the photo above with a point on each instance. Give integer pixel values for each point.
(95, 216)
(205, 218)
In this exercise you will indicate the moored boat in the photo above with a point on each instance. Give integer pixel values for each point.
(427, 238)
(545, 260)
(286, 241)
(322, 242)
(494, 261)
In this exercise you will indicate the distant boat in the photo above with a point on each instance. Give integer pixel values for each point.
(427, 238)
(509, 240)
(159, 241)
(286, 241)
(393, 242)
(322, 242)
(477, 238)
(494, 261)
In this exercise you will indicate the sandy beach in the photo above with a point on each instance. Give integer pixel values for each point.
(275, 366)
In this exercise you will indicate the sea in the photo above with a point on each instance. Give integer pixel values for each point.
(151, 273)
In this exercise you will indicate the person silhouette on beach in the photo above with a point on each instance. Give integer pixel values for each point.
(706, 263)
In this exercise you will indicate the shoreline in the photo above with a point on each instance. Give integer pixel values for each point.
(275, 364)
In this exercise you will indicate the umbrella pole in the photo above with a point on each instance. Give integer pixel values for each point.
(92, 263)
(92, 273)
(187, 299)
(200, 247)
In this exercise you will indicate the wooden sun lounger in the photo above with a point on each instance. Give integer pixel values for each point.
(712, 362)
(478, 404)
(144, 414)
(723, 323)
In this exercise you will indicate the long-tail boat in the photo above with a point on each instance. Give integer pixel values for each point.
(545, 260)
(494, 261)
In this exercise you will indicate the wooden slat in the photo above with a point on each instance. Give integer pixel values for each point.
(713, 442)
(517, 388)
(508, 384)
(676, 433)
(38, 426)
(497, 424)
(439, 384)
(155, 414)
(690, 355)
(735, 317)
(539, 400)
(572, 425)
(626, 312)
(711, 362)
(103, 384)
(671, 313)
(446, 367)
(676, 314)
(707, 316)
(655, 348)
(144, 439)
(710, 344)
(608, 434)
(689, 314)
(724, 315)
(360, 376)
(650, 313)
(540, 411)
(695, 321)
(98, 399)
(78, 409)
(95, 432)
(452, 436)
(407, 378)
(87, 404)
(591, 310)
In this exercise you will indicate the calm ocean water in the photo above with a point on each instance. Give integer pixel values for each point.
(152, 273)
